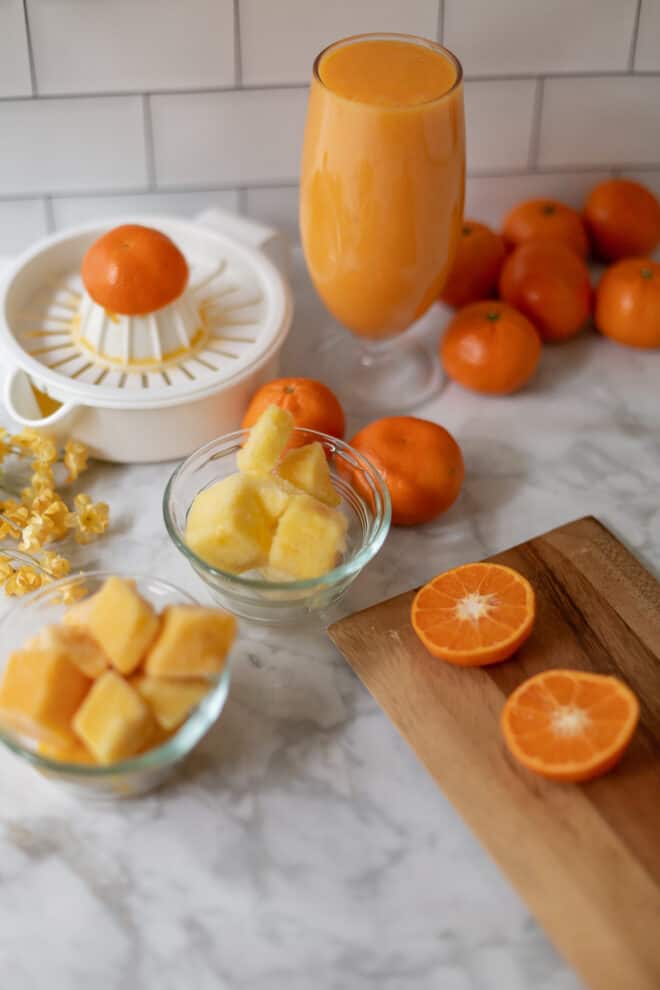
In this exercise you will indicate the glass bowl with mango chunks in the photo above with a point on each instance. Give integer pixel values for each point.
(114, 720)
(278, 521)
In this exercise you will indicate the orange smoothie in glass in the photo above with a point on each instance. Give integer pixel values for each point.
(382, 179)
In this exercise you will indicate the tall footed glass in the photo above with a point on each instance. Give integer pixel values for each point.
(381, 200)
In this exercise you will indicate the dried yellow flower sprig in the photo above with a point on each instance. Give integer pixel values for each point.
(42, 516)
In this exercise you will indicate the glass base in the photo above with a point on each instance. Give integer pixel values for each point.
(393, 377)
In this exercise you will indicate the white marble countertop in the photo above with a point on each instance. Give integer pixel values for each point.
(306, 847)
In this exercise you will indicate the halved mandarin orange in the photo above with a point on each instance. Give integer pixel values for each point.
(569, 725)
(474, 615)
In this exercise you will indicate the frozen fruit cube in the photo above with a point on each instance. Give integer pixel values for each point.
(307, 468)
(274, 494)
(228, 526)
(41, 691)
(122, 623)
(193, 642)
(114, 721)
(268, 438)
(69, 750)
(309, 539)
(76, 645)
(78, 614)
(170, 700)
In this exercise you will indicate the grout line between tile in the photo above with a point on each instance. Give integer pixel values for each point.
(238, 52)
(49, 214)
(28, 36)
(245, 187)
(635, 35)
(441, 22)
(192, 91)
(303, 86)
(535, 133)
(149, 152)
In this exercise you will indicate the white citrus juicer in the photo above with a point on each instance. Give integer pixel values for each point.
(144, 387)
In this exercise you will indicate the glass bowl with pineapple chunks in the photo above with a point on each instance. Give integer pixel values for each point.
(278, 521)
(107, 682)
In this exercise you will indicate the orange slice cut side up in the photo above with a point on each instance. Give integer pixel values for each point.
(569, 725)
(474, 615)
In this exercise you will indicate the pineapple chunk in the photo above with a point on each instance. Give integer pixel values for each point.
(113, 721)
(66, 751)
(171, 701)
(307, 468)
(268, 438)
(74, 644)
(122, 623)
(308, 540)
(228, 526)
(193, 642)
(41, 692)
(274, 494)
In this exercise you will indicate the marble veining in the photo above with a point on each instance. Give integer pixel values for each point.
(305, 848)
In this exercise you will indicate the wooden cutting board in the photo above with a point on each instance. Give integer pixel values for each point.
(586, 858)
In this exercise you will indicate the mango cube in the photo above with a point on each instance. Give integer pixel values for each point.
(228, 526)
(193, 642)
(122, 623)
(309, 539)
(41, 692)
(114, 721)
(66, 751)
(75, 645)
(307, 468)
(78, 614)
(171, 701)
(268, 438)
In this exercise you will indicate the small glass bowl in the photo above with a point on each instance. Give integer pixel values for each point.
(250, 595)
(129, 777)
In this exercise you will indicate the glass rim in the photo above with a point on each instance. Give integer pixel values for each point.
(382, 518)
(172, 750)
(411, 39)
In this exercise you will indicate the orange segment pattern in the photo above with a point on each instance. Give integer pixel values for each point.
(570, 725)
(474, 615)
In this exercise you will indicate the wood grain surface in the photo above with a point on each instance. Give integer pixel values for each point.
(586, 858)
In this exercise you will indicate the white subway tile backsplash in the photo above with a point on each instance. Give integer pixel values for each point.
(22, 221)
(122, 45)
(276, 206)
(71, 210)
(508, 37)
(489, 198)
(647, 54)
(240, 137)
(498, 117)
(72, 145)
(14, 58)
(280, 39)
(604, 120)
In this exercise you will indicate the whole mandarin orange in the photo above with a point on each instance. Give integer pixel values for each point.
(420, 461)
(476, 266)
(549, 283)
(623, 219)
(628, 303)
(311, 403)
(490, 347)
(546, 219)
(134, 270)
